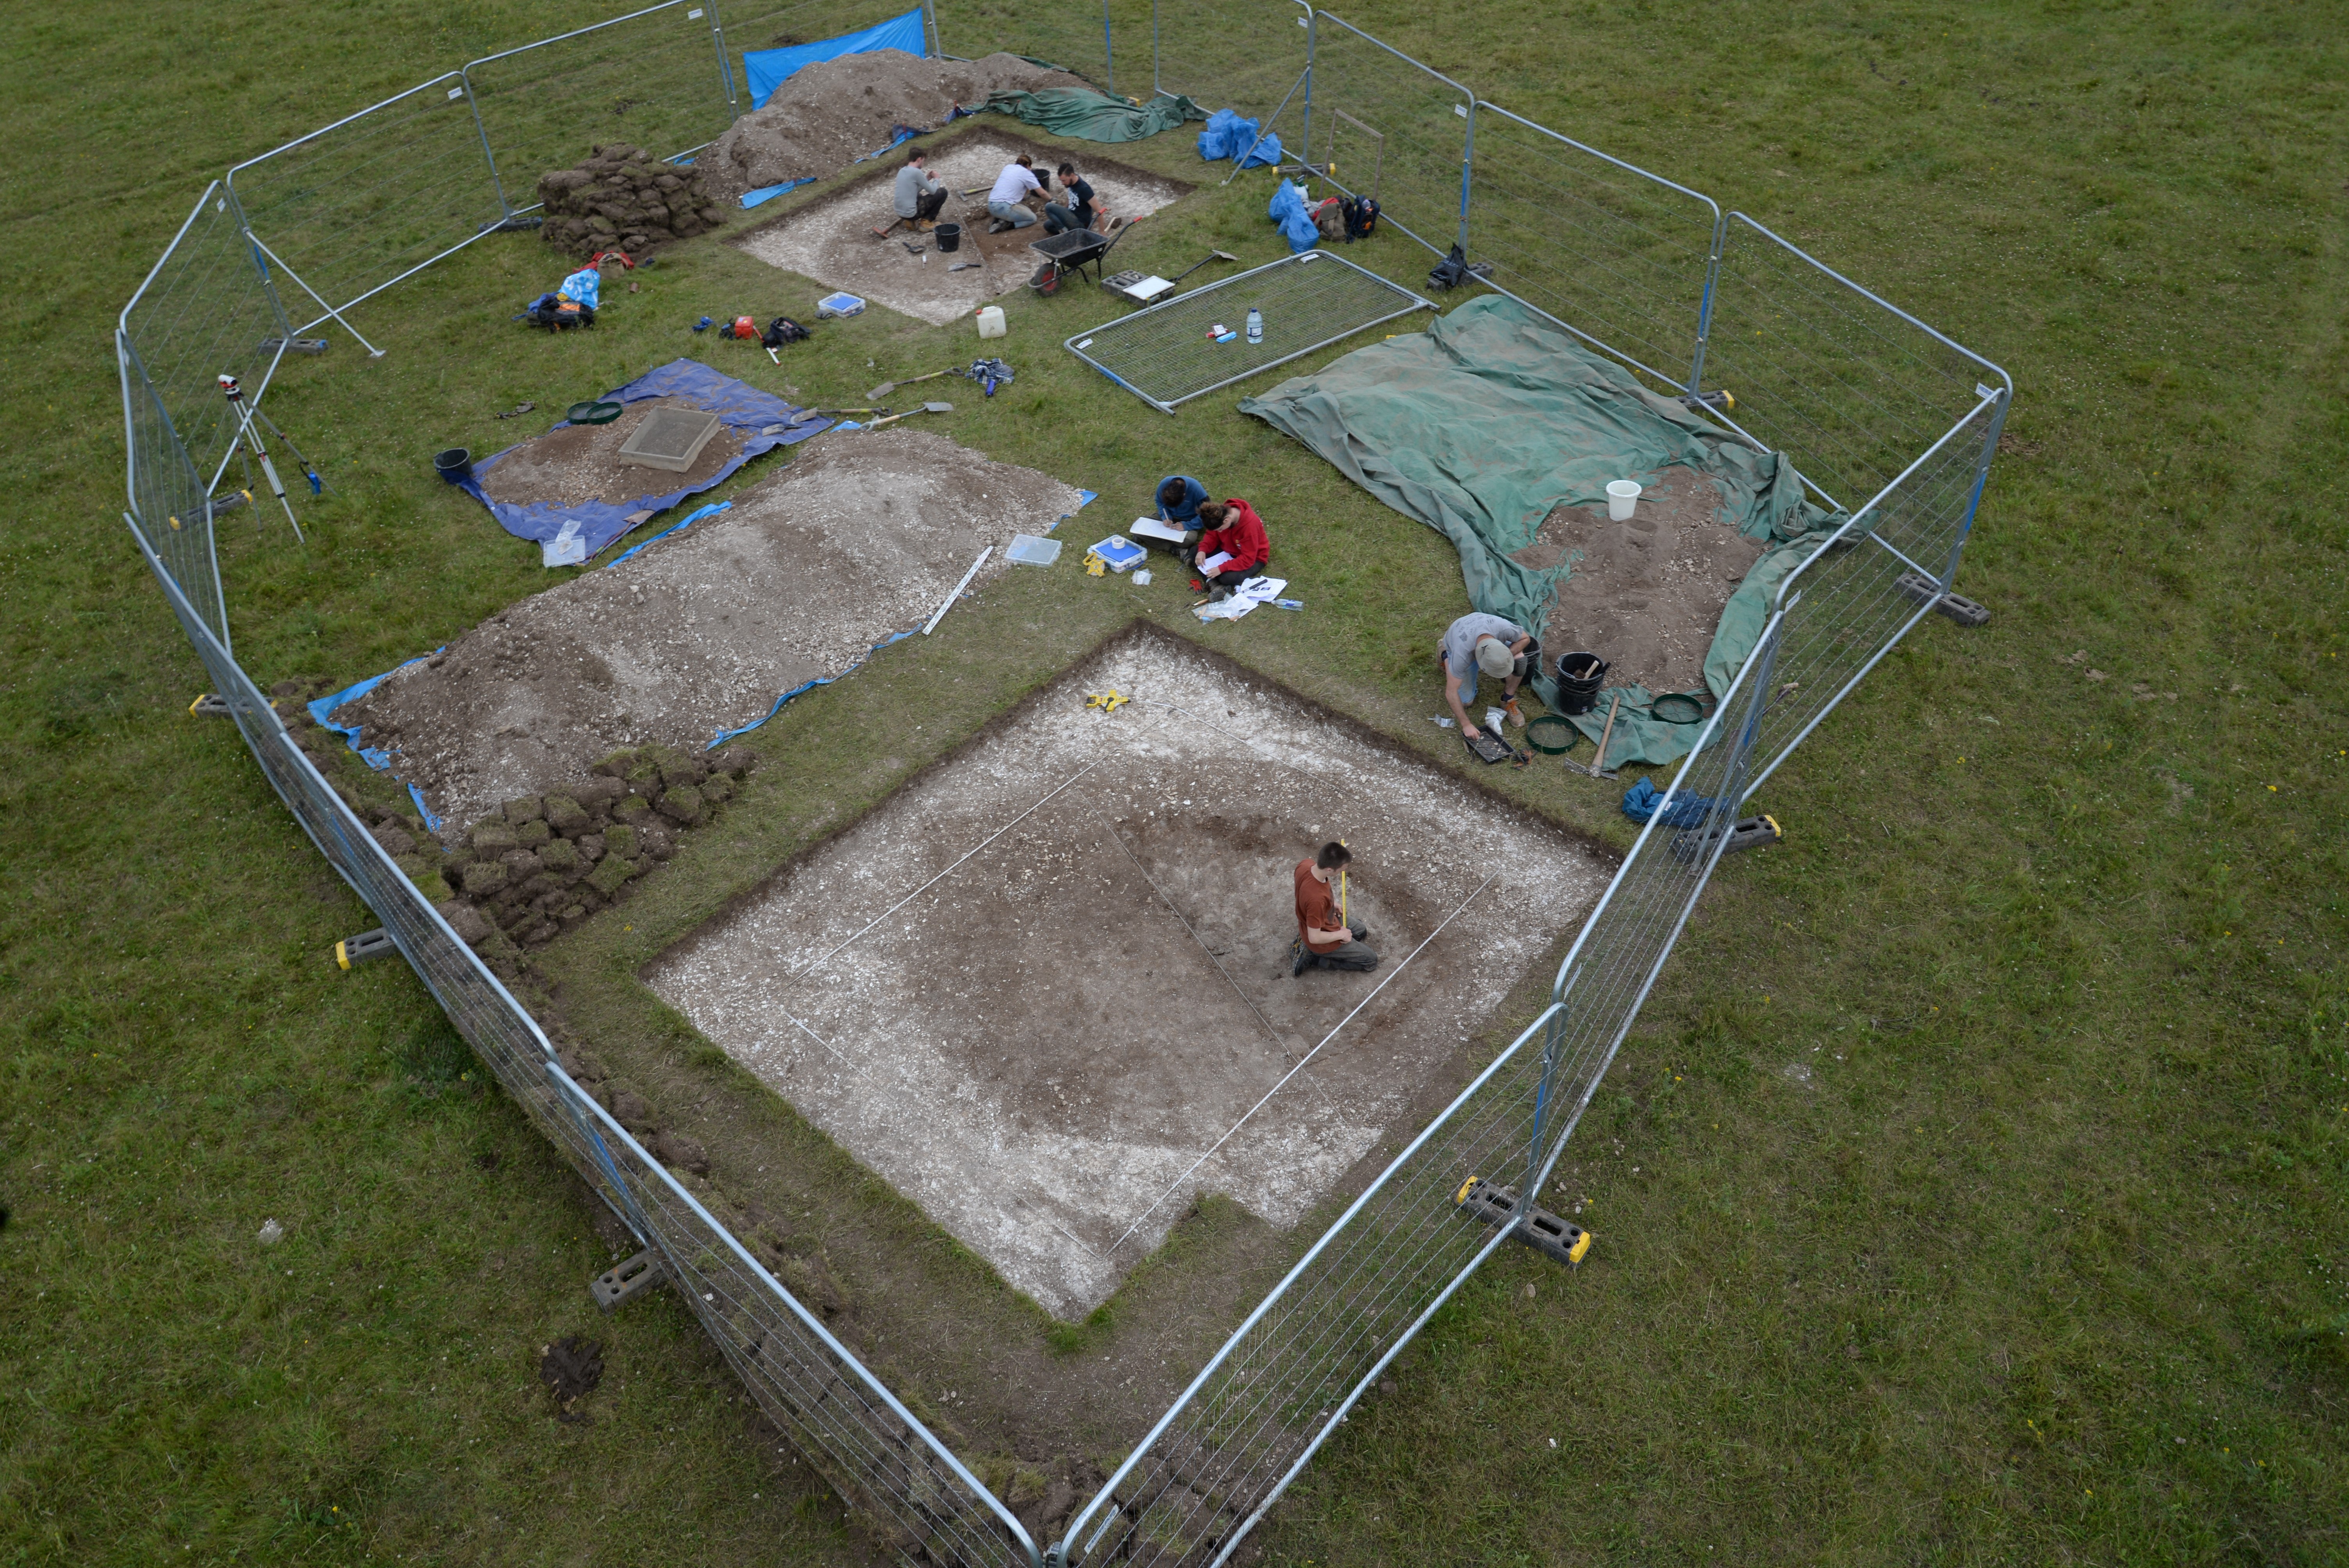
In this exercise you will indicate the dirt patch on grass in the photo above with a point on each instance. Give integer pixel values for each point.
(830, 113)
(1045, 990)
(863, 535)
(1645, 595)
(576, 463)
(832, 241)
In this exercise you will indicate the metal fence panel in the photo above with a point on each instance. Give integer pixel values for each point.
(1165, 355)
(1618, 256)
(1090, 37)
(353, 207)
(1244, 55)
(656, 78)
(207, 308)
(1387, 121)
(1853, 389)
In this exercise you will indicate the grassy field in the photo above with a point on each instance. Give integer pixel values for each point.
(2039, 1256)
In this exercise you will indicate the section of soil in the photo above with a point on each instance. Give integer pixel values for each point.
(1647, 595)
(576, 463)
(863, 535)
(829, 114)
(1045, 990)
(832, 241)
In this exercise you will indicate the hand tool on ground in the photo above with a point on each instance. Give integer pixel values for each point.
(877, 393)
(828, 413)
(1107, 701)
(518, 411)
(925, 408)
(1148, 288)
(932, 624)
(1596, 767)
(965, 266)
(913, 250)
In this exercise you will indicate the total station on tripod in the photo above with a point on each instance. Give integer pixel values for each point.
(250, 423)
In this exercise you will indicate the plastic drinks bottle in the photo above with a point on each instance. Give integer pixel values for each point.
(1255, 324)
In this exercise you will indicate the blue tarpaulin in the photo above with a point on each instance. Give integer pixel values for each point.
(1287, 208)
(742, 407)
(767, 69)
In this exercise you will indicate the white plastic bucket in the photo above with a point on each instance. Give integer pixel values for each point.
(1621, 496)
(990, 322)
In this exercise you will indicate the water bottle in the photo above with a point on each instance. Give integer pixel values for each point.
(1255, 324)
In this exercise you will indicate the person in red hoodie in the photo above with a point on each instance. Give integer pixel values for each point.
(1229, 528)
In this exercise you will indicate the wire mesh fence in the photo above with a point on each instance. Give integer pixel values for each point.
(355, 206)
(1618, 256)
(1172, 353)
(1245, 55)
(1891, 422)
(656, 78)
(1412, 122)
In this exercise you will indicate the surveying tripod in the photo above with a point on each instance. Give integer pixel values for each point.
(250, 422)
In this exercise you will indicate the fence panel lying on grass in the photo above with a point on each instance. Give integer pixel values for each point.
(1166, 354)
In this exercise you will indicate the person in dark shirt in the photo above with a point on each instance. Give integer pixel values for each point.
(1324, 939)
(1075, 208)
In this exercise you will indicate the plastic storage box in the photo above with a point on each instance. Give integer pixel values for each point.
(839, 305)
(1119, 554)
(1029, 551)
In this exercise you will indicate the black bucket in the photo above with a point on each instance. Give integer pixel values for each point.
(454, 465)
(1578, 676)
(948, 237)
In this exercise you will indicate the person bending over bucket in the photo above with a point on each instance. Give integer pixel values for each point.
(1231, 549)
(919, 194)
(1012, 188)
(1324, 939)
(1476, 644)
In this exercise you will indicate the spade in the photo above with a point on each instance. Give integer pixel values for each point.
(888, 387)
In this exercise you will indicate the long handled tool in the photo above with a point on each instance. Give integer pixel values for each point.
(888, 387)
(925, 408)
(1203, 260)
(1596, 767)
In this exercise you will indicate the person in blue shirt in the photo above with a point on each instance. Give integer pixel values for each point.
(1179, 496)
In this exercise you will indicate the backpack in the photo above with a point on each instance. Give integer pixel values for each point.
(782, 330)
(555, 312)
(1362, 217)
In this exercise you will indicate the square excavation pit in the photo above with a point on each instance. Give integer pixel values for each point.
(670, 438)
(1044, 989)
(832, 240)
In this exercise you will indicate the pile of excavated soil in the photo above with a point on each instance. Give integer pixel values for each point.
(863, 534)
(624, 198)
(831, 113)
(832, 241)
(1645, 595)
(576, 463)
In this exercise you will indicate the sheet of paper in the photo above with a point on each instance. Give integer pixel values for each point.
(1217, 562)
(1151, 528)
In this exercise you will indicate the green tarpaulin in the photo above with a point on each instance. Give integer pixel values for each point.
(1482, 425)
(1091, 116)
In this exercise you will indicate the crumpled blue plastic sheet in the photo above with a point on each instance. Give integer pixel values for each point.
(1639, 802)
(373, 756)
(1287, 208)
(742, 408)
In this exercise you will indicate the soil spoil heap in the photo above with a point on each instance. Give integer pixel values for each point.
(831, 113)
(624, 198)
(864, 535)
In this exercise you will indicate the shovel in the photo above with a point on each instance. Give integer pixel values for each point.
(1194, 266)
(925, 408)
(1596, 766)
(888, 387)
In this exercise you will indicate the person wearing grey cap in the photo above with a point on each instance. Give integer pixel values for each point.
(1478, 644)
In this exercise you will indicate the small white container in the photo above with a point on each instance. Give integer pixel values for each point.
(990, 322)
(1621, 496)
(1142, 578)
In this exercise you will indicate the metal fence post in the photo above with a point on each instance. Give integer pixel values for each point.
(497, 181)
(2005, 396)
(1468, 166)
(1109, 55)
(1704, 303)
(1305, 151)
(725, 71)
(1156, 85)
(930, 16)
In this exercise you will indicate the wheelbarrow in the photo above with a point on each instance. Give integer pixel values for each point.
(1072, 251)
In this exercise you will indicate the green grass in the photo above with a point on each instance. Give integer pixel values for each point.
(2045, 1261)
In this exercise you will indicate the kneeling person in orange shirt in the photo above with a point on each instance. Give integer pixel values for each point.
(1324, 940)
